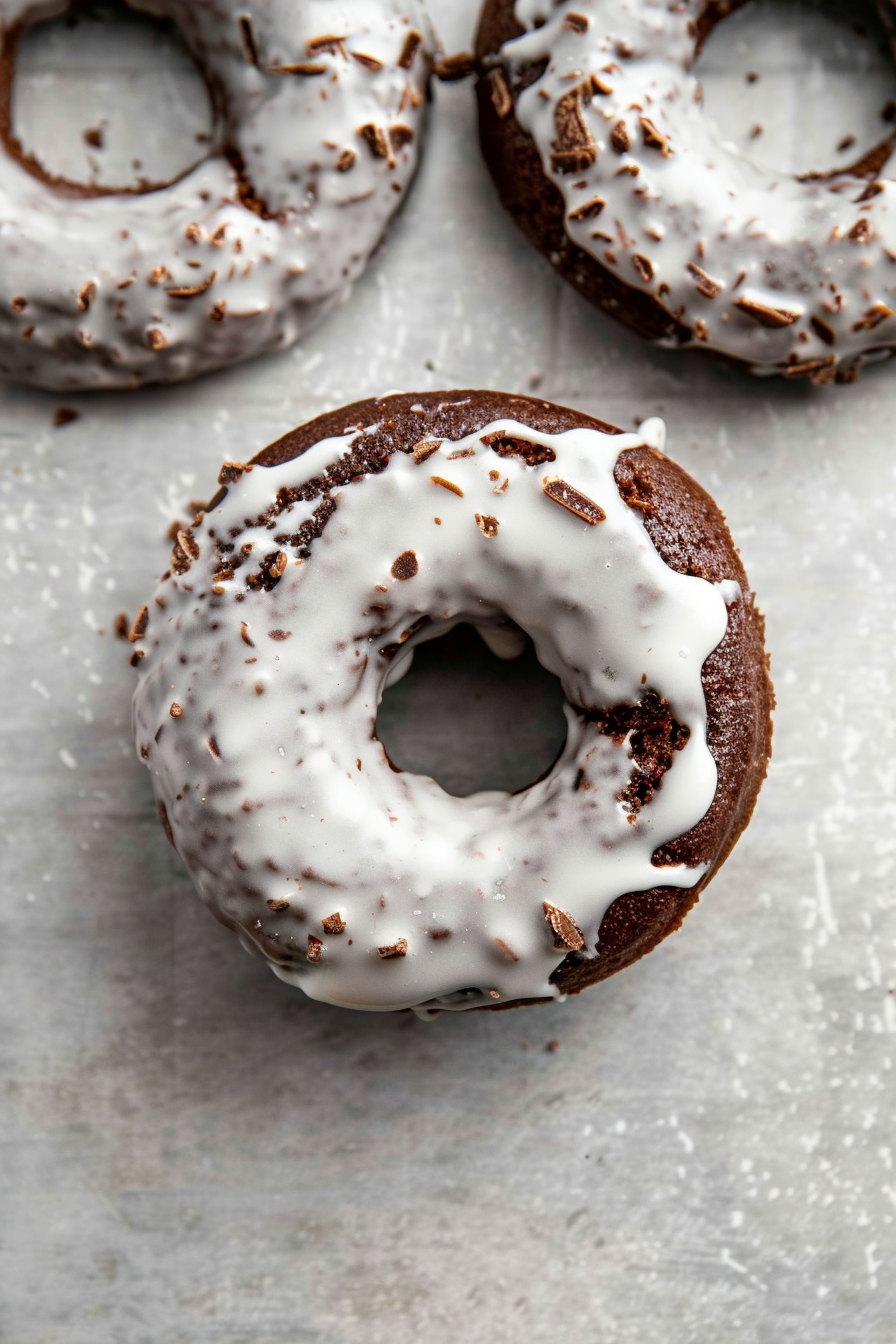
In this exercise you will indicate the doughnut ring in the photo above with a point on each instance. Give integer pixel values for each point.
(592, 127)
(321, 129)
(303, 587)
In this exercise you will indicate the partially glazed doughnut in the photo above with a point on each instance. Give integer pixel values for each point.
(303, 588)
(320, 108)
(592, 127)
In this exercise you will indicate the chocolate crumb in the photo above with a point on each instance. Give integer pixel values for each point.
(369, 62)
(309, 68)
(877, 313)
(552, 1046)
(405, 567)
(619, 138)
(577, 23)
(643, 266)
(425, 449)
(346, 160)
(93, 136)
(18, 304)
(654, 138)
(191, 291)
(120, 626)
(64, 415)
(400, 135)
(315, 948)
(278, 903)
(175, 711)
(590, 210)
(510, 445)
(438, 934)
(566, 931)
(574, 147)
(487, 525)
(846, 143)
(334, 924)
(156, 339)
(232, 471)
(213, 747)
(279, 635)
(244, 635)
(397, 949)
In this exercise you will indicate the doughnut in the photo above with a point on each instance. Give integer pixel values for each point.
(592, 127)
(300, 592)
(320, 109)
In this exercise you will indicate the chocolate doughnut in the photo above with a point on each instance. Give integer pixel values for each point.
(320, 128)
(592, 127)
(301, 590)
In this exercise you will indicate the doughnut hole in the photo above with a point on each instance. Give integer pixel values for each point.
(470, 720)
(105, 98)
(800, 87)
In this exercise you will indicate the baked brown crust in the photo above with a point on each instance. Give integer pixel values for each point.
(691, 535)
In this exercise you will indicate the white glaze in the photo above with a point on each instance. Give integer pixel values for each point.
(773, 241)
(273, 278)
(300, 804)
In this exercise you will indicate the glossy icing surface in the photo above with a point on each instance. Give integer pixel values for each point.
(793, 276)
(322, 107)
(262, 661)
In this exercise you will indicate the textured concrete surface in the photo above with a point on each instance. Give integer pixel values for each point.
(190, 1151)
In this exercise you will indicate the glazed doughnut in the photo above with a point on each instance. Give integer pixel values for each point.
(320, 108)
(303, 588)
(592, 126)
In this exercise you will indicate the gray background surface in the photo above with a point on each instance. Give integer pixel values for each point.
(190, 1150)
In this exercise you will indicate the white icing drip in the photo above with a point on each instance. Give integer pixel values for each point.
(813, 251)
(273, 278)
(287, 795)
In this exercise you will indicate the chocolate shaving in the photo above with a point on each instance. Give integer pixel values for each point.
(448, 485)
(654, 138)
(86, 296)
(877, 313)
(138, 629)
(369, 62)
(346, 160)
(449, 69)
(643, 266)
(412, 44)
(505, 951)
(247, 38)
(191, 291)
(577, 23)
(487, 525)
(590, 210)
(405, 567)
(188, 543)
(509, 445)
(437, 935)
(502, 100)
(375, 139)
(299, 68)
(574, 148)
(334, 924)
(766, 316)
(709, 288)
(823, 330)
(213, 747)
(570, 498)
(567, 933)
(397, 949)
(244, 635)
(330, 42)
